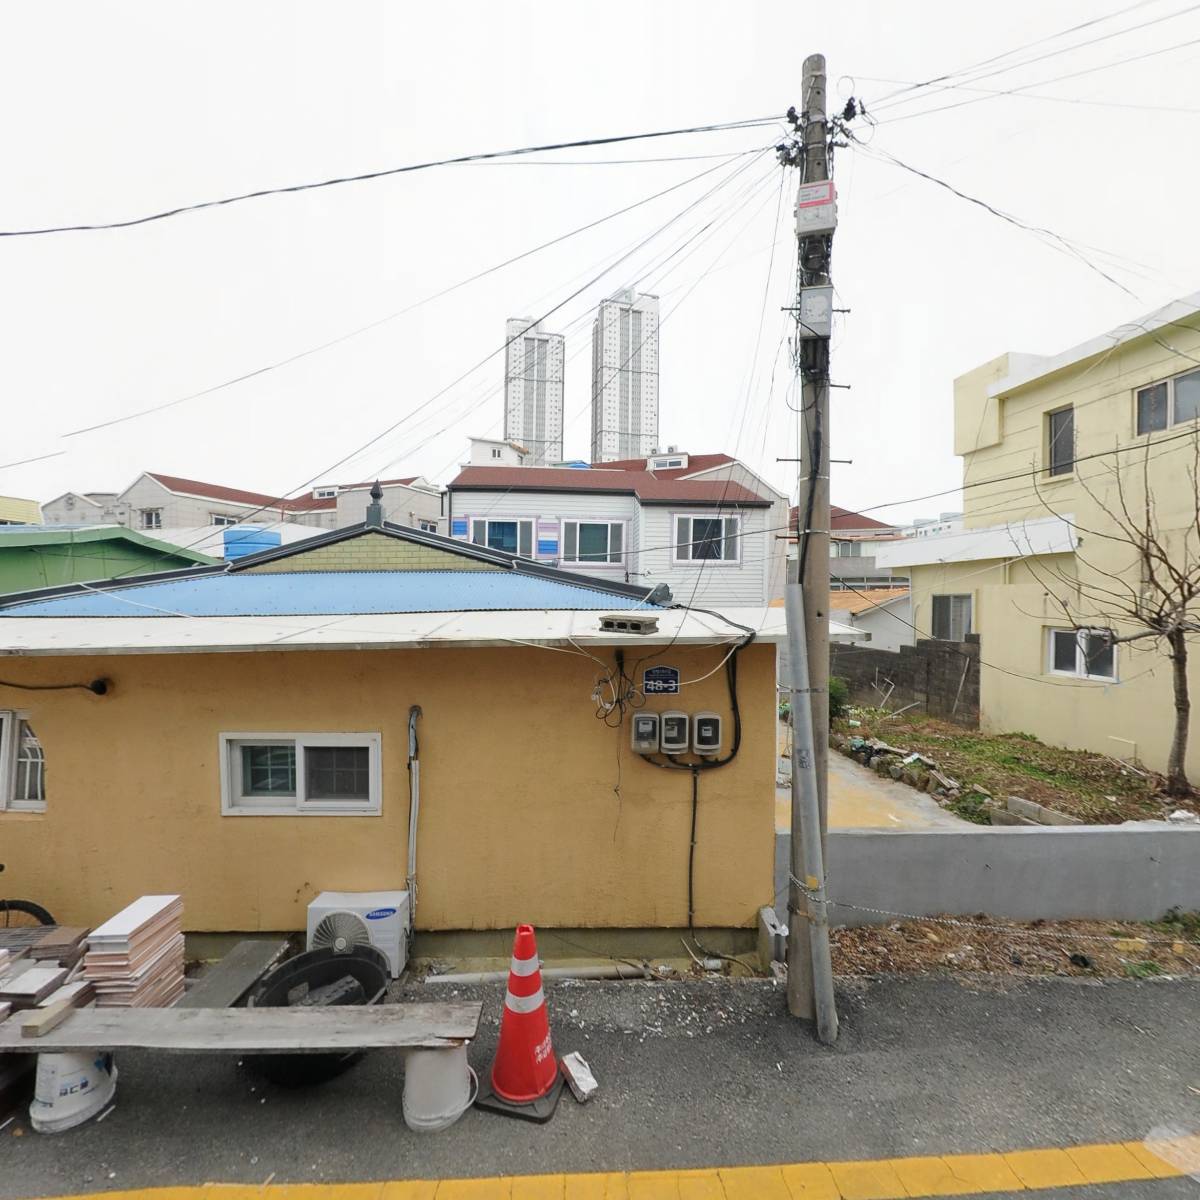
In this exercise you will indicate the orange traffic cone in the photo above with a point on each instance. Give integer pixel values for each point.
(524, 1079)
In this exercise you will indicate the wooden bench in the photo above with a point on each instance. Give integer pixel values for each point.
(255, 1030)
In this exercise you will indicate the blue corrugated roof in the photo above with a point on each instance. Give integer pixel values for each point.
(332, 593)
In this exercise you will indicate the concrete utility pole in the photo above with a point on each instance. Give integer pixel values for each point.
(810, 993)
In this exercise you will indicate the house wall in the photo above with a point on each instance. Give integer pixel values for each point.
(181, 510)
(550, 509)
(890, 627)
(401, 506)
(531, 809)
(79, 510)
(1005, 434)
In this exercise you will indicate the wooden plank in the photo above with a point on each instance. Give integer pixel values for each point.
(42, 1020)
(227, 981)
(32, 985)
(257, 1030)
(60, 942)
(130, 920)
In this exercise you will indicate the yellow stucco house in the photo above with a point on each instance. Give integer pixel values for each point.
(1058, 452)
(247, 741)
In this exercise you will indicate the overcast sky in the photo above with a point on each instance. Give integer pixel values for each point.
(115, 110)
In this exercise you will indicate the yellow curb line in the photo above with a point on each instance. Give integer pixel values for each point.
(870, 1179)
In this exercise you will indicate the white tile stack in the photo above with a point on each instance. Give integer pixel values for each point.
(135, 959)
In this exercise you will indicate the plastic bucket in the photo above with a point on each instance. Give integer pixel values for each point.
(439, 1086)
(70, 1089)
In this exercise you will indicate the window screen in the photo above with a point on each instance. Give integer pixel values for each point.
(1062, 650)
(337, 772)
(1187, 397)
(1061, 445)
(1152, 408)
(1099, 654)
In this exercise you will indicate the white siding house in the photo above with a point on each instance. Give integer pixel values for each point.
(710, 529)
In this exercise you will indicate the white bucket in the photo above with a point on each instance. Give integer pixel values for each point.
(70, 1088)
(439, 1086)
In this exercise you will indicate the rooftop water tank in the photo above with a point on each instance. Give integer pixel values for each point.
(242, 540)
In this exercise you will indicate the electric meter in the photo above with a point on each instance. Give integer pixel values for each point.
(674, 738)
(645, 733)
(706, 734)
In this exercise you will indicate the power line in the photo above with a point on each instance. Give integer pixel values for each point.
(749, 123)
(375, 324)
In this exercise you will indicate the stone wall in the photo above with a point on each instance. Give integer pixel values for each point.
(940, 678)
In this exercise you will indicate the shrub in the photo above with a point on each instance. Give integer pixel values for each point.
(839, 697)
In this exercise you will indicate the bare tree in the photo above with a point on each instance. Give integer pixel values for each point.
(1147, 592)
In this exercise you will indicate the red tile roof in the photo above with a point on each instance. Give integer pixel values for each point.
(217, 491)
(661, 487)
(845, 520)
(696, 463)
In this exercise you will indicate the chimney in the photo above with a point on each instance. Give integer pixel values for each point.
(375, 508)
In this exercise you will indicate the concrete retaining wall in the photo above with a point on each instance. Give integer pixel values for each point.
(1104, 872)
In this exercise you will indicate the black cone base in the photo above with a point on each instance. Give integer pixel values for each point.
(539, 1110)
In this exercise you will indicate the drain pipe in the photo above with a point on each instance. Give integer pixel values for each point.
(414, 808)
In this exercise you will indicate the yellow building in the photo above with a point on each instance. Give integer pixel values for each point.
(1057, 453)
(251, 745)
(15, 511)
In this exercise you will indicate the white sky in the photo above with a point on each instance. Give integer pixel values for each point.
(114, 110)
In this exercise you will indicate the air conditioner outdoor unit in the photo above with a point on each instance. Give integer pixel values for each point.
(341, 920)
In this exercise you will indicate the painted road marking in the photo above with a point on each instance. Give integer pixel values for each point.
(869, 1179)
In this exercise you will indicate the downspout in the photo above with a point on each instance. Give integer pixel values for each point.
(414, 808)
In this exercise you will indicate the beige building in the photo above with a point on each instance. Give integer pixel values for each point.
(1054, 450)
(250, 747)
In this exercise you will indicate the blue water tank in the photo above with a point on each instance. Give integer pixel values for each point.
(241, 540)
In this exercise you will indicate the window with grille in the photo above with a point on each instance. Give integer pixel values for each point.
(513, 536)
(951, 618)
(22, 765)
(1060, 441)
(702, 538)
(593, 541)
(1171, 402)
(300, 773)
(1084, 653)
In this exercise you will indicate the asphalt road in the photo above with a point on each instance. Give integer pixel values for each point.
(691, 1074)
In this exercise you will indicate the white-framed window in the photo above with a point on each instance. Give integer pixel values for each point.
(1083, 653)
(221, 519)
(700, 537)
(1060, 441)
(496, 451)
(846, 550)
(514, 536)
(150, 518)
(427, 526)
(1170, 402)
(593, 542)
(22, 765)
(951, 618)
(324, 493)
(300, 774)
(666, 464)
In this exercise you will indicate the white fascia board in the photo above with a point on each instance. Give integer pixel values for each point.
(20, 636)
(1017, 539)
(1026, 368)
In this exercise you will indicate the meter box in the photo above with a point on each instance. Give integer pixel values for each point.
(645, 733)
(706, 734)
(814, 316)
(816, 209)
(674, 733)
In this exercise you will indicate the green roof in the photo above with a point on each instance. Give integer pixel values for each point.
(51, 535)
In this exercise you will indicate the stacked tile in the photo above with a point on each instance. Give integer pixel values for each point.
(63, 945)
(135, 959)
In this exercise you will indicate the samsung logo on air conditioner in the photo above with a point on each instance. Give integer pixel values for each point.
(378, 914)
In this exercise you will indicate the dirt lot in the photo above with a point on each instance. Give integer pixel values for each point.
(1123, 950)
(1095, 788)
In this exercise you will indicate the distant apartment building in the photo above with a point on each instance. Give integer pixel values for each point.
(625, 378)
(533, 389)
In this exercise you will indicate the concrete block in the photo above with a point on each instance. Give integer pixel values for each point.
(772, 938)
(1024, 808)
(1002, 816)
(1052, 817)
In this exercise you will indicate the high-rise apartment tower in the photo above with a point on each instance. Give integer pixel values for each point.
(533, 390)
(625, 377)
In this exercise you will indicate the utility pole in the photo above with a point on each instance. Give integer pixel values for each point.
(810, 992)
